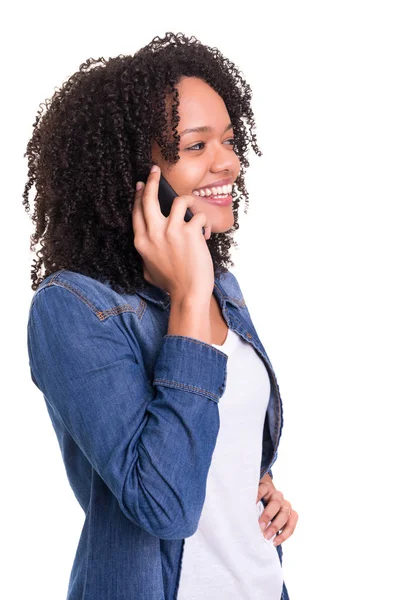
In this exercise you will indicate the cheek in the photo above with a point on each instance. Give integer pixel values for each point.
(186, 176)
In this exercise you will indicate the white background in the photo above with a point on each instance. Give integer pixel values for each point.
(317, 263)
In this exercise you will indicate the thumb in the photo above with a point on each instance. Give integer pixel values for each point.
(263, 490)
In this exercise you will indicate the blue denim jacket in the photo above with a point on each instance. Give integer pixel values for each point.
(135, 411)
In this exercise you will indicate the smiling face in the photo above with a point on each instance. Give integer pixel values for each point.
(206, 157)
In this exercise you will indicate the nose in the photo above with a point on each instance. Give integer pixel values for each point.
(223, 159)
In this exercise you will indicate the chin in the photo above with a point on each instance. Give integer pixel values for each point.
(223, 224)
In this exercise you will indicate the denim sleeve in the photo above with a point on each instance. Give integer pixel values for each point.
(151, 442)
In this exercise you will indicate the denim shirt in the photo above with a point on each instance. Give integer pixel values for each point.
(135, 411)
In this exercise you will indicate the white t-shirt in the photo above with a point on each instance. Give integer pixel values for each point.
(228, 557)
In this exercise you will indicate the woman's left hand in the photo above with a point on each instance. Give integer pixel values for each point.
(280, 510)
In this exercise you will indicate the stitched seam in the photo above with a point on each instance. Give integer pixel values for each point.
(79, 295)
(185, 386)
(278, 420)
(241, 302)
(277, 405)
(116, 310)
(101, 315)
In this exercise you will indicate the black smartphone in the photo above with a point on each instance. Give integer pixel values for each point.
(166, 195)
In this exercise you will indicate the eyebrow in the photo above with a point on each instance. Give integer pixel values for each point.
(203, 129)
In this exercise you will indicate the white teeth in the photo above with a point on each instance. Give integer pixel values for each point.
(214, 191)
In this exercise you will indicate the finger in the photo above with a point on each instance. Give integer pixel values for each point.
(138, 222)
(280, 519)
(265, 490)
(272, 508)
(287, 529)
(150, 203)
(178, 211)
(198, 221)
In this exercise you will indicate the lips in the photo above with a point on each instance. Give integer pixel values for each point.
(218, 201)
(218, 183)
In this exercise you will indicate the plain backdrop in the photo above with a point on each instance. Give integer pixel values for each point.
(317, 261)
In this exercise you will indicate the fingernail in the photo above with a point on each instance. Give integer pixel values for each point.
(263, 525)
(269, 535)
(154, 168)
(139, 185)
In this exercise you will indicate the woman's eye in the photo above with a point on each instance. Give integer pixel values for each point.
(194, 147)
(231, 140)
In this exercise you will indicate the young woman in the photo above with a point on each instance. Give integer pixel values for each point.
(163, 399)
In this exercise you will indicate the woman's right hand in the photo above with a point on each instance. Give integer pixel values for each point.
(175, 255)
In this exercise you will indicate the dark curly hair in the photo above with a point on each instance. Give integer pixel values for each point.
(94, 142)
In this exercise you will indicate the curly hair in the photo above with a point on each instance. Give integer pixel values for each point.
(94, 142)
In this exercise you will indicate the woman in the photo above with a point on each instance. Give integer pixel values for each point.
(160, 392)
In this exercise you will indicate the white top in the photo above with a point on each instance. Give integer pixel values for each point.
(228, 557)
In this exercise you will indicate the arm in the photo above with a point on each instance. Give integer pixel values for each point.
(151, 442)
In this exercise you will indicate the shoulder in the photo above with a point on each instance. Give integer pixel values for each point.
(98, 296)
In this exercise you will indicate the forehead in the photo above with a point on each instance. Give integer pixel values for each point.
(200, 104)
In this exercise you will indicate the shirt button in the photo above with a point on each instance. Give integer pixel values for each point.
(249, 335)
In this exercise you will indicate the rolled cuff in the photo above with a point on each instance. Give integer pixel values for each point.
(193, 365)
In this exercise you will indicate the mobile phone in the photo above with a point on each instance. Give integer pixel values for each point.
(166, 195)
